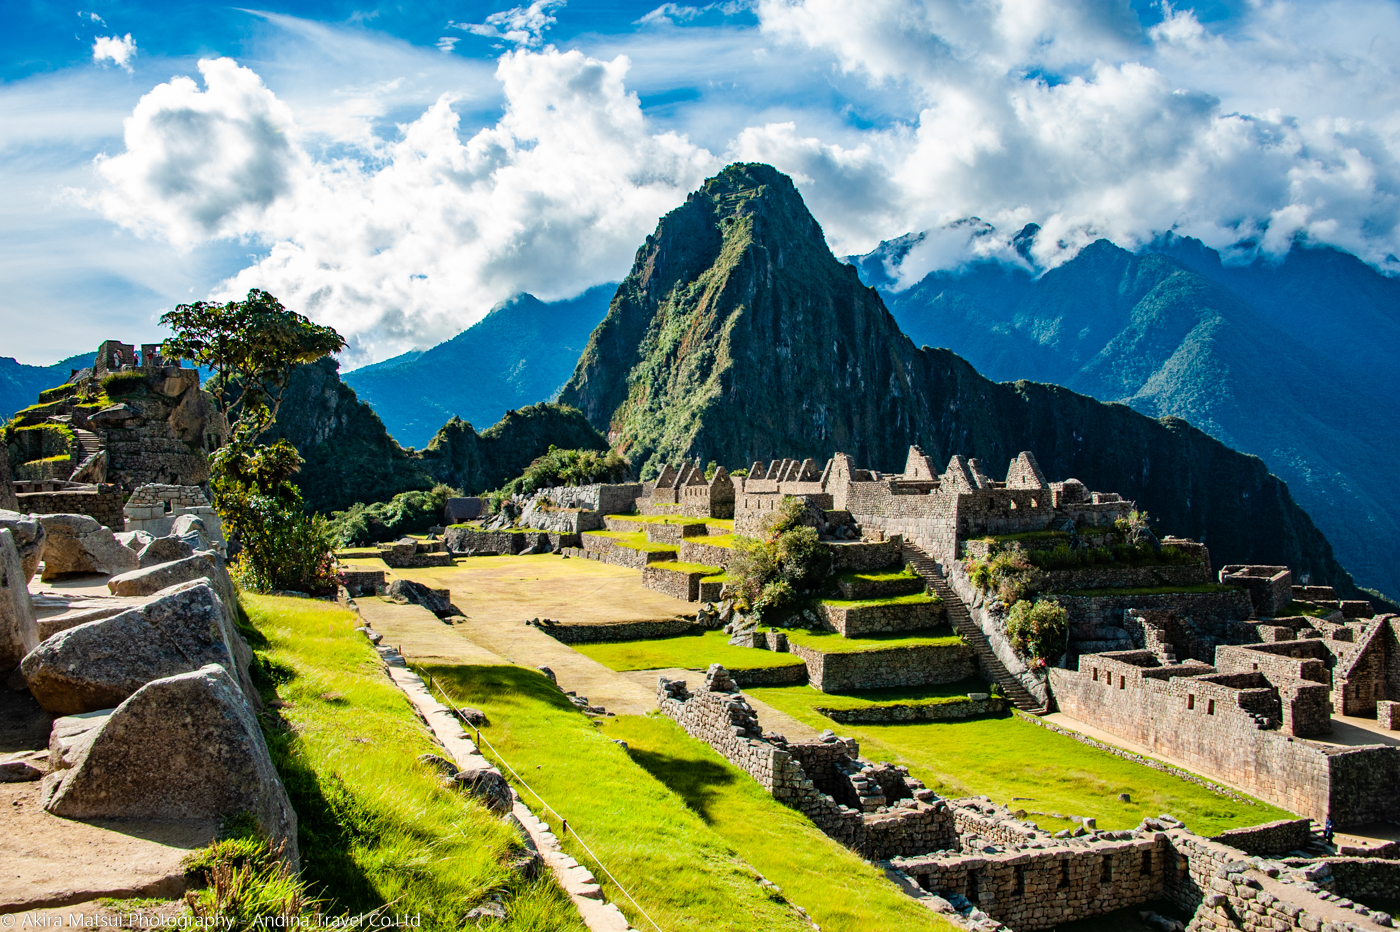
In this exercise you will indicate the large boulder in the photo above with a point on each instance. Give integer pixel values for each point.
(18, 632)
(29, 538)
(79, 544)
(181, 747)
(8, 501)
(164, 550)
(408, 592)
(98, 664)
(134, 540)
(152, 579)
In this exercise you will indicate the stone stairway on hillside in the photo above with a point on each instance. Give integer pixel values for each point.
(88, 444)
(962, 623)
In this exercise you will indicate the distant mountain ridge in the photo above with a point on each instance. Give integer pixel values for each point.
(20, 384)
(1278, 361)
(737, 336)
(519, 354)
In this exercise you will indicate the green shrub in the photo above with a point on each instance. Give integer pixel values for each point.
(1038, 630)
(123, 383)
(771, 574)
(567, 467)
(405, 513)
(282, 548)
(245, 883)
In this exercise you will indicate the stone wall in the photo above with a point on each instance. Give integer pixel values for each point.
(1270, 838)
(674, 533)
(1120, 576)
(1229, 732)
(604, 498)
(862, 620)
(683, 585)
(695, 550)
(791, 675)
(1354, 877)
(897, 712)
(864, 556)
(460, 540)
(567, 521)
(897, 666)
(610, 550)
(102, 503)
(621, 631)
(1040, 889)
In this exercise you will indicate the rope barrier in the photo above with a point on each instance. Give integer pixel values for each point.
(481, 740)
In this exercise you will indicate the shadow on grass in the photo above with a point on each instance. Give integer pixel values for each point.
(506, 685)
(327, 818)
(701, 783)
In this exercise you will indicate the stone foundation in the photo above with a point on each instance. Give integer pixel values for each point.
(695, 550)
(678, 584)
(897, 666)
(103, 503)
(862, 620)
(1270, 838)
(622, 631)
(896, 713)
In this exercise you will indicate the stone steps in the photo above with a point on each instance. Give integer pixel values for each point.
(962, 623)
(88, 443)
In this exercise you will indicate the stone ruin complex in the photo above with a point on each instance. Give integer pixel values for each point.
(1240, 675)
(986, 869)
(133, 419)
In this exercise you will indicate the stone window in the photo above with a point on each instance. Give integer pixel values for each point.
(1107, 867)
(1190, 701)
(1020, 881)
(1147, 863)
(1064, 873)
(1122, 681)
(1210, 706)
(1096, 674)
(972, 893)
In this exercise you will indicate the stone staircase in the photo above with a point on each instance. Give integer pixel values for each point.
(962, 623)
(88, 444)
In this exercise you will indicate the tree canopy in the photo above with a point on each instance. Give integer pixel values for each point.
(252, 346)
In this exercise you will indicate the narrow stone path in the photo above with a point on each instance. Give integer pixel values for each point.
(576, 880)
(962, 623)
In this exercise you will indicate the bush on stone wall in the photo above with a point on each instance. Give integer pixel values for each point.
(1038, 630)
(405, 513)
(565, 467)
(773, 573)
(123, 383)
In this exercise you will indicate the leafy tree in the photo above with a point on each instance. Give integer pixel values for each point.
(406, 513)
(251, 345)
(773, 572)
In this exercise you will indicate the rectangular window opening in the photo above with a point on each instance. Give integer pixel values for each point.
(1064, 874)
(1210, 706)
(1147, 863)
(972, 886)
(1190, 701)
(1107, 875)
(1020, 881)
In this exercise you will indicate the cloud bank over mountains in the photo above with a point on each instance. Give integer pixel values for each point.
(1277, 123)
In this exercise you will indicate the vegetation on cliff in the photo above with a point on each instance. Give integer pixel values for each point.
(738, 336)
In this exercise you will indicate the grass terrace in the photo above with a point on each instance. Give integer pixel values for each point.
(832, 643)
(689, 652)
(632, 541)
(678, 567)
(1150, 590)
(687, 877)
(717, 540)
(917, 598)
(1304, 608)
(376, 826)
(1024, 766)
(1029, 536)
(904, 695)
(838, 890)
(726, 523)
(887, 576)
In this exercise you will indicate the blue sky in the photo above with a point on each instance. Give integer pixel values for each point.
(395, 170)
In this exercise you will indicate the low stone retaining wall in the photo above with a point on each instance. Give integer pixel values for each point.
(103, 504)
(1091, 615)
(881, 588)
(897, 712)
(862, 556)
(673, 533)
(678, 584)
(1270, 838)
(570, 521)
(1365, 876)
(711, 591)
(695, 550)
(860, 620)
(929, 665)
(464, 539)
(621, 631)
(624, 524)
(610, 550)
(1117, 575)
(413, 561)
(792, 675)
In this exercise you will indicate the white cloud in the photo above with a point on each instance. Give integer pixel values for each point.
(1070, 115)
(553, 198)
(522, 26)
(120, 50)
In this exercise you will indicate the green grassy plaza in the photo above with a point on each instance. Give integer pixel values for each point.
(688, 652)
